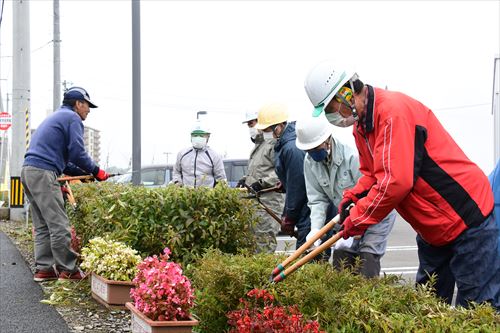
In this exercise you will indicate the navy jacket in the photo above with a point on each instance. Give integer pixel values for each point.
(289, 165)
(57, 142)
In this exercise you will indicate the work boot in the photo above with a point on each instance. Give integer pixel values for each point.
(45, 275)
(78, 275)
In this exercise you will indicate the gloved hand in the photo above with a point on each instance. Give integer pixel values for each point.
(101, 175)
(257, 186)
(311, 234)
(287, 226)
(280, 188)
(348, 199)
(241, 183)
(350, 229)
(64, 190)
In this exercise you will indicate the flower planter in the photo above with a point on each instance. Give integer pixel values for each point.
(112, 294)
(142, 324)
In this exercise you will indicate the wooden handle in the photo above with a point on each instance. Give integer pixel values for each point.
(306, 245)
(308, 257)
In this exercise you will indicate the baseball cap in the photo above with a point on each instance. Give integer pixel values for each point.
(78, 93)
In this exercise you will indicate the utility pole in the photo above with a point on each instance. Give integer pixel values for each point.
(57, 59)
(21, 86)
(136, 92)
(495, 105)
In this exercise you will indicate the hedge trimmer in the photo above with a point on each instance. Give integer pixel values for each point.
(256, 195)
(66, 189)
(281, 272)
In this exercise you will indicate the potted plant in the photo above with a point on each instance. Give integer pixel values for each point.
(113, 265)
(162, 297)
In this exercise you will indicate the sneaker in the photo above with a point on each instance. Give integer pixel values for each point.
(45, 275)
(72, 276)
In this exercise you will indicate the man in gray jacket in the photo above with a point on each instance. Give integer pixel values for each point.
(261, 175)
(330, 167)
(198, 165)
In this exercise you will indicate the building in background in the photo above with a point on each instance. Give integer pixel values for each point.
(92, 141)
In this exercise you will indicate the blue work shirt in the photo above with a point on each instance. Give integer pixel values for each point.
(59, 141)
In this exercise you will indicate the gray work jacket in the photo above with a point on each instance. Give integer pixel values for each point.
(198, 167)
(327, 180)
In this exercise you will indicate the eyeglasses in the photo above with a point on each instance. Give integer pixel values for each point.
(344, 95)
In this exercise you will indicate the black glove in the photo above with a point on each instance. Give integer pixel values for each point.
(257, 186)
(241, 183)
(344, 208)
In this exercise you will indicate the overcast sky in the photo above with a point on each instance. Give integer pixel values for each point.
(229, 57)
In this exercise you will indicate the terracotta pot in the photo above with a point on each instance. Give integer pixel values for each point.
(111, 293)
(142, 324)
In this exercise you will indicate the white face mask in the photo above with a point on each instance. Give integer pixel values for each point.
(253, 132)
(337, 119)
(199, 142)
(268, 135)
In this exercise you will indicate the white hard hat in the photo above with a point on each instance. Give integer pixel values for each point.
(250, 115)
(323, 82)
(200, 128)
(311, 132)
(271, 114)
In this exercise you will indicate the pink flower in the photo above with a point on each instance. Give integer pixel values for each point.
(161, 290)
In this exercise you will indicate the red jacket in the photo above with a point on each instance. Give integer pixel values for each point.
(409, 162)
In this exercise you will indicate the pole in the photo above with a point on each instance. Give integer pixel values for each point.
(496, 108)
(57, 59)
(21, 85)
(136, 92)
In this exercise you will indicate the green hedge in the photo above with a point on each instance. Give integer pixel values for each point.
(186, 220)
(340, 301)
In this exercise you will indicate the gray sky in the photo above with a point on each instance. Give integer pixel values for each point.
(228, 57)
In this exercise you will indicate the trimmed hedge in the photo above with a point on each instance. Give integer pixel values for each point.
(186, 220)
(340, 301)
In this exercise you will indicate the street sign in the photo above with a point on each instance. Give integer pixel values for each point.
(5, 121)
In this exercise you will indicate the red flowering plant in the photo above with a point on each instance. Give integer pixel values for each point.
(259, 314)
(161, 291)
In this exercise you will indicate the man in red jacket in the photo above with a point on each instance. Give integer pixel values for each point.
(410, 163)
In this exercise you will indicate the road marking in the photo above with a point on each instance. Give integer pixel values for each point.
(401, 248)
(398, 270)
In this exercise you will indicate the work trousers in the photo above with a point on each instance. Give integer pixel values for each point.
(471, 261)
(265, 232)
(50, 222)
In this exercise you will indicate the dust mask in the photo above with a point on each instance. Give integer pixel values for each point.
(268, 135)
(253, 132)
(337, 119)
(199, 142)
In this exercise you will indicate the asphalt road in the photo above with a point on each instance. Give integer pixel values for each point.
(400, 257)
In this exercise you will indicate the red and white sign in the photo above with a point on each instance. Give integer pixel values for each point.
(5, 121)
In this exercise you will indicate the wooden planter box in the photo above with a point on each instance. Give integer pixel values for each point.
(142, 324)
(112, 294)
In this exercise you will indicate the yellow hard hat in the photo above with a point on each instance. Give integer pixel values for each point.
(271, 114)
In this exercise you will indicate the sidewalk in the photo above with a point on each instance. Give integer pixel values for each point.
(20, 296)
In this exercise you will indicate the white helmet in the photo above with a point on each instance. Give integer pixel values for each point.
(200, 128)
(323, 82)
(250, 115)
(311, 132)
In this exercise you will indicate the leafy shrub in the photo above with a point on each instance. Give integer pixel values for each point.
(110, 259)
(339, 301)
(161, 291)
(186, 220)
(259, 314)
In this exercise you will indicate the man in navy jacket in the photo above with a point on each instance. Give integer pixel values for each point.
(289, 165)
(57, 147)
